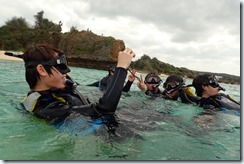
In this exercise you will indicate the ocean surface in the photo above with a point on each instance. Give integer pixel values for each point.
(147, 129)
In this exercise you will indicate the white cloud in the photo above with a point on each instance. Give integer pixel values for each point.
(196, 34)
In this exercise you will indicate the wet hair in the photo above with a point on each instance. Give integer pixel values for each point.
(173, 78)
(199, 81)
(37, 53)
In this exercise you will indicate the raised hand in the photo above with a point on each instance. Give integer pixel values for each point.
(125, 58)
(141, 85)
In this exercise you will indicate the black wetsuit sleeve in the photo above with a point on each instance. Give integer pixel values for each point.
(127, 86)
(108, 103)
(110, 99)
(53, 109)
(104, 82)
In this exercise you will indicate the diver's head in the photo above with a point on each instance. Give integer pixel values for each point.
(206, 84)
(45, 56)
(173, 83)
(152, 81)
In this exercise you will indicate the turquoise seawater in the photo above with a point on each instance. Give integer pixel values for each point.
(148, 129)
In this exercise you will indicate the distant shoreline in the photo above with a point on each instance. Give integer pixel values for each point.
(5, 57)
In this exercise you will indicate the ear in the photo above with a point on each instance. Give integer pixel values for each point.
(204, 87)
(41, 70)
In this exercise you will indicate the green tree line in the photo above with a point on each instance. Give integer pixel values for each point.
(17, 33)
(146, 64)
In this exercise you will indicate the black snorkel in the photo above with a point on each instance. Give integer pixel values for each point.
(59, 62)
(221, 88)
(13, 54)
(157, 85)
(70, 83)
(214, 83)
(134, 74)
(175, 89)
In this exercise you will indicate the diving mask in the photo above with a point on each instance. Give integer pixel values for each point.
(59, 62)
(152, 80)
(173, 86)
(213, 83)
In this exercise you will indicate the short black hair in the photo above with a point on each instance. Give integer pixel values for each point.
(37, 53)
(199, 81)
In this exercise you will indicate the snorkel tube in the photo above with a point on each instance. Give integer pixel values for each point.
(69, 81)
(175, 89)
(13, 54)
(221, 88)
(156, 86)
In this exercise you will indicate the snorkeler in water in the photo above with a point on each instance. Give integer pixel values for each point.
(174, 88)
(106, 81)
(53, 95)
(207, 87)
(103, 83)
(150, 85)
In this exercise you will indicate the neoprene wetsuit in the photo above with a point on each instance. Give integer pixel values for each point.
(55, 105)
(153, 93)
(219, 101)
(104, 83)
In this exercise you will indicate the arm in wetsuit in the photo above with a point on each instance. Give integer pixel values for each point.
(127, 86)
(220, 101)
(109, 81)
(53, 108)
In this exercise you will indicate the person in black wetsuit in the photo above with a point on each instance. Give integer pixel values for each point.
(103, 83)
(174, 88)
(150, 85)
(53, 96)
(106, 81)
(207, 87)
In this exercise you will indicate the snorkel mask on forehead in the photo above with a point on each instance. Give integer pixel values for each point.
(59, 62)
(212, 81)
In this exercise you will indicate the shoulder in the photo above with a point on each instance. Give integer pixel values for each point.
(208, 103)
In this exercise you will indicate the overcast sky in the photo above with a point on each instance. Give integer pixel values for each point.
(201, 35)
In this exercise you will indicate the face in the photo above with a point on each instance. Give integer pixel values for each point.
(56, 80)
(209, 91)
(152, 87)
(173, 94)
